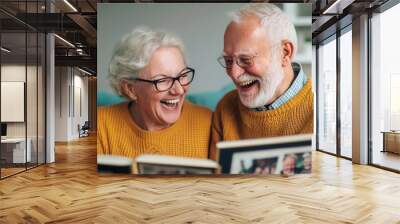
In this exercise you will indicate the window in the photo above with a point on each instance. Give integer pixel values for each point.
(385, 87)
(327, 97)
(346, 94)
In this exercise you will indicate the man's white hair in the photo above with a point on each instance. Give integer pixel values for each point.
(133, 53)
(278, 25)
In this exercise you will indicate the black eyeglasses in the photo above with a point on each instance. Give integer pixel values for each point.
(244, 61)
(185, 77)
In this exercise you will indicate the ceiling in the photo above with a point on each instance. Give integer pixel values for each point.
(332, 15)
(76, 22)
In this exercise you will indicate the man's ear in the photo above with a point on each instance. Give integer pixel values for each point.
(128, 89)
(287, 53)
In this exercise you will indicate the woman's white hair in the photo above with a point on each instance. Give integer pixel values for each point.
(133, 53)
(278, 25)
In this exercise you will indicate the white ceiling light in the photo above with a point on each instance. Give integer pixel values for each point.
(5, 49)
(65, 41)
(84, 71)
(337, 7)
(70, 5)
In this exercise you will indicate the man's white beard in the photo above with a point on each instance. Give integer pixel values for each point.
(269, 82)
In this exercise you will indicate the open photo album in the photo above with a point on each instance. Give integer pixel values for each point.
(278, 155)
(161, 164)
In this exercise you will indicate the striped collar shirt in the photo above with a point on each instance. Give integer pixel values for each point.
(294, 89)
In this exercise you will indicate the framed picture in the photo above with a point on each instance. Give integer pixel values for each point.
(278, 155)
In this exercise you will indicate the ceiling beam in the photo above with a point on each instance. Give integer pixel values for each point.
(86, 27)
(84, 61)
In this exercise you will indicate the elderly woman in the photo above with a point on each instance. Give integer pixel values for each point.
(149, 69)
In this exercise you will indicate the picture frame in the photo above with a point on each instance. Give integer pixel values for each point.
(277, 155)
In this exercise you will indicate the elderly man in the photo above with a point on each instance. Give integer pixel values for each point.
(273, 96)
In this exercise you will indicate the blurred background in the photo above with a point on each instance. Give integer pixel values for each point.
(203, 40)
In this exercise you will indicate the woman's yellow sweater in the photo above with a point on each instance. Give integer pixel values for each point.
(233, 121)
(118, 134)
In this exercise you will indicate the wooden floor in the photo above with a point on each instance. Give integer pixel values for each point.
(5, 172)
(71, 191)
(10, 171)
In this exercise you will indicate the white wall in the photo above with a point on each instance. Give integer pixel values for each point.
(80, 109)
(33, 126)
(187, 20)
(12, 73)
(70, 84)
(61, 103)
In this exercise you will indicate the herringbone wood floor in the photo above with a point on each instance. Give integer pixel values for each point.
(71, 191)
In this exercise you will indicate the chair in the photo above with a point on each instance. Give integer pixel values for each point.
(84, 130)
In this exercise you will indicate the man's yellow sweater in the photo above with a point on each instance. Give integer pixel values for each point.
(233, 121)
(118, 134)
